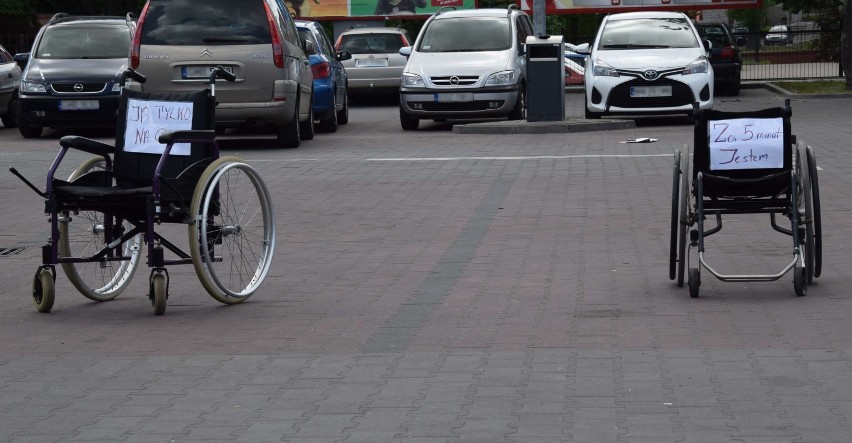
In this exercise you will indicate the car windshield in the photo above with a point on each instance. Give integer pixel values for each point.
(467, 34)
(778, 29)
(207, 23)
(371, 43)
(79, 42)
(647, 33)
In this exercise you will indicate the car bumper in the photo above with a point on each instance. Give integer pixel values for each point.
(726, 72)
(374, 79)
(463, 104)
(47, 111)
(323, 97)
(611, 95)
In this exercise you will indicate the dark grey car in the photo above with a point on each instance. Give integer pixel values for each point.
(72, 73)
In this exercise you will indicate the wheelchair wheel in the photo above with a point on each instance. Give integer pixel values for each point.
(800, 282)
(680, 193)
(694, 282)
(683, 229)
(159, 293)
(81, 235)
(44, 290)
(817, 218)
(805, 203)
(673, 238)
(232, 233)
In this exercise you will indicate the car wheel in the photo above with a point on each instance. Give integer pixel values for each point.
(288, 133)
(343, 114)
(589, 114)
(519, 112)
(26, 130)
(307, 127)
(408, 122)
(9, 119)
(329, 122)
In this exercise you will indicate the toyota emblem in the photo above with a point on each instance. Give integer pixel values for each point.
(454, 80)
(206, 52)
(78, 87)
(650, 74)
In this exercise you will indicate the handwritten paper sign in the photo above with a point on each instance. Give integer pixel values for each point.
(147, 119)
(746, 143)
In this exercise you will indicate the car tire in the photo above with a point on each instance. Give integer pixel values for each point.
(589, 115)
(408, 122)
(306, 129)
(343, 114)
(9, 119)
(329, 122)
(26, 130)
(519, 112)
(288, 133)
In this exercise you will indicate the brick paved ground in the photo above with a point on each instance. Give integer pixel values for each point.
(416, 296)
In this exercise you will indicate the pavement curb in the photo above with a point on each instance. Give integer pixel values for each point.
(550, 127)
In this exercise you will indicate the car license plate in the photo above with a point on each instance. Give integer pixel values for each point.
(371, 62)
(454, 97)
(650, 91)
(79, 105)
(201, 71)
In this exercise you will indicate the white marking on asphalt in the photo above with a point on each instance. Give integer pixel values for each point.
(529, 157)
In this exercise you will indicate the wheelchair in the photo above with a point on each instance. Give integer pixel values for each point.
(165, 168)
(745, 163)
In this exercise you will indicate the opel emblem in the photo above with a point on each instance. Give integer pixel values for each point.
(454, 80)
(78, 87)
(206, 52)
(650, 74)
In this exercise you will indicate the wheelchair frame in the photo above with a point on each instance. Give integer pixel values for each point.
(797, 199)
(221, 243)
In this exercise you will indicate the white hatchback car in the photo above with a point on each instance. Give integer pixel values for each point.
(647, 63)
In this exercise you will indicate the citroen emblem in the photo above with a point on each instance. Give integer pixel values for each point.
(650, 74)
(206, 52)
(454, 80)
(78, 87)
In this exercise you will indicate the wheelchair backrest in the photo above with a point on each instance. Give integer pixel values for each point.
(141, 117)
(743, 145)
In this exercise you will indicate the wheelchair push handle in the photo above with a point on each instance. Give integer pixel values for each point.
(220, 72)
(133, 75)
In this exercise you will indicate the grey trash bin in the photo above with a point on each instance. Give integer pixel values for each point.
(545, 78)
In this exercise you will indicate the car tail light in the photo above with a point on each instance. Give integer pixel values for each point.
(321, 70)
(277, 49)
(137, 39)
(728, 53)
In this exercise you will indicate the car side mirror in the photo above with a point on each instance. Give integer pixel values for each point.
(310, 48)
(343, 55)
(405, 50)
(22, 58)
(522, 49)
(708, 45)
(583, 49)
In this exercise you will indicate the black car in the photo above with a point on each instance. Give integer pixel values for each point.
(724, 56)
(71, 77)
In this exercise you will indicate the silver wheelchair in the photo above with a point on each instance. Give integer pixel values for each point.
(165, 168)
(745, 163)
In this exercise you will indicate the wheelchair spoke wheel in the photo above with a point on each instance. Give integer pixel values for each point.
(82, 235)
(673, 238)
(44, 290)
(817, 218)
(683, 218)
(805, 203)
(232, 236)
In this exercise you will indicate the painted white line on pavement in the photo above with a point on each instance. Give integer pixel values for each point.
(530, 157)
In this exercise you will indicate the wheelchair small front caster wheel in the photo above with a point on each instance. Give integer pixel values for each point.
(44, 290)
(800, 283)
(694, 281)
(159, 293)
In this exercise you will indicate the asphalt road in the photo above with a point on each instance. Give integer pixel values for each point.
(439, 287)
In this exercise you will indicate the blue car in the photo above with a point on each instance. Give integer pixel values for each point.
(331, 95)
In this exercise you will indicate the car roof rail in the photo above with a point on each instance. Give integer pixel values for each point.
(58, 16)
(444, 9)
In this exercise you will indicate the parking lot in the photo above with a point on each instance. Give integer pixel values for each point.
(432, 286)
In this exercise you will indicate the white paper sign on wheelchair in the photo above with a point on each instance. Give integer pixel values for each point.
(147, 119)
(746, 143)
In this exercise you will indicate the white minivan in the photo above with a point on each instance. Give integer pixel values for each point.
(467, 64)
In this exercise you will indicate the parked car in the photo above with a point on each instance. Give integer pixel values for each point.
(466, 64)
(10, 79)
(724, 56)
(176, 47)
(331, 93)
(574, 72)
(778, 35)
(650, 62)
(376, 64)
(72, 73)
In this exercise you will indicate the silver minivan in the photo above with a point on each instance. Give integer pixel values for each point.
(466, 64)
(178, 42)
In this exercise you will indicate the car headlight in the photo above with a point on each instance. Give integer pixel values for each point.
(412, 80)
(32, 88)
(501, 78)
(699, 66)
(602, 69)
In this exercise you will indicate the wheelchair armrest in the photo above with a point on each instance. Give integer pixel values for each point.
(86, 145)
(185, 136)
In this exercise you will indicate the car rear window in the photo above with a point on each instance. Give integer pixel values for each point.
(716, 35)
(371, 43)
(63, 42)
(207, 23)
